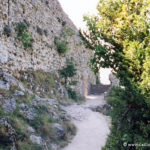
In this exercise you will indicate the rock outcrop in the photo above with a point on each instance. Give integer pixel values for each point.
(28, 120)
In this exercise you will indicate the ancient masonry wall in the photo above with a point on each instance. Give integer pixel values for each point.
(48, 16)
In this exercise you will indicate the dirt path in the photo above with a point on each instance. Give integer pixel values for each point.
(92, 127)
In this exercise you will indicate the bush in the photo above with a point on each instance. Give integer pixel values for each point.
(66, 32)
(129, 125)
(28, 145)
(61, 46)
(72, 94)
(68, 71)
(23, 35)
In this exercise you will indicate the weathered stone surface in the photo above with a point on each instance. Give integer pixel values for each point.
(59, 129)
(51, 102)
(10, 134)
(3, 53)
(30, 129)
(28, 113)
(36, 139)
(44, 56)
(7, 80)
(104, 109)
(113, 80)
(18, 93)
(9, 105)
(23, 106)
(4, 85)
(55, 115)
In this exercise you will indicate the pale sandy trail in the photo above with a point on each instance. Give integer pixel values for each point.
(92, 127)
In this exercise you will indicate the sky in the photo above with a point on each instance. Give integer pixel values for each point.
(76, 9)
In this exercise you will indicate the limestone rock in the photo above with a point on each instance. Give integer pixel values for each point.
(23, 106)
(102, 109)
(51, 102)
(113, 79)
(9, 105)
(30, 129)
(18, 93)
(4, 85)
(3, 54)
(59, 130)
(28, 113)
(36, 139)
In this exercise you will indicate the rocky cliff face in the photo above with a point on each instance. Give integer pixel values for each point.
(31, 34)
(31, 122)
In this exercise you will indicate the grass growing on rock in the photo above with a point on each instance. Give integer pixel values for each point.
(40, 82)
(44, 115)
(28, 145)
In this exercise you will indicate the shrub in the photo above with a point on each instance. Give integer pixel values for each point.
(129, 125)
(68, 71)
(66, 32)
(23, 35)
(27, 145)
(72, 94)
(61, 46)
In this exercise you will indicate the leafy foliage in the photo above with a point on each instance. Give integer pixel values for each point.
(23, 35)
(61, 42)
(119, 37)
(72, 94)
(66, 32)
(61, 46)
(130, 123)
(68, 71)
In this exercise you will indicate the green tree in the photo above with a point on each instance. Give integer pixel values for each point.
(120, 38)
(124, 26)
(68, 71)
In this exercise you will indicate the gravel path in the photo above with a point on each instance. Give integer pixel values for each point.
(92, 127)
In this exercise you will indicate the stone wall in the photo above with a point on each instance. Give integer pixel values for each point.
(48, 16)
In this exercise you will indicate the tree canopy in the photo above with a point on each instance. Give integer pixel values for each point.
(119, 35)
(120, 38)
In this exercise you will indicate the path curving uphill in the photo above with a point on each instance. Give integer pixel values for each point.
(92, 127)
